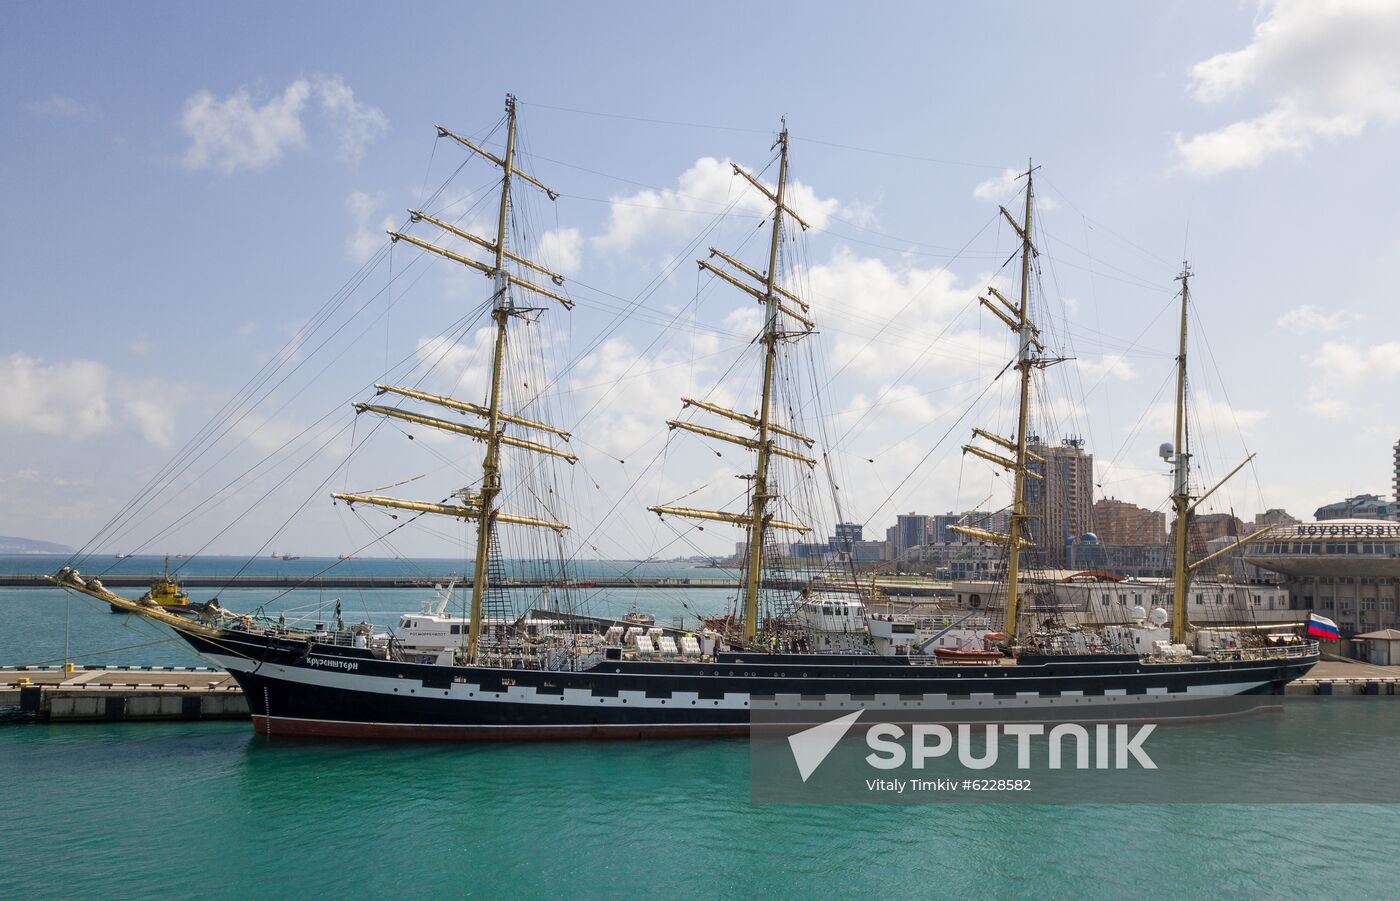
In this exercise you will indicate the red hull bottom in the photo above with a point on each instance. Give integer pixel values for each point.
(281, 726)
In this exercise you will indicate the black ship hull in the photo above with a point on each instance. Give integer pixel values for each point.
(296, 688)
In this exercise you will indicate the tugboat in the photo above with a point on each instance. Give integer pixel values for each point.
(165, 593)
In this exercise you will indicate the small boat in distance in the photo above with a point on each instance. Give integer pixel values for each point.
(278, 555)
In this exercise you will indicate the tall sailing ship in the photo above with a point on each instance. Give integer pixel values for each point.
(568, 676)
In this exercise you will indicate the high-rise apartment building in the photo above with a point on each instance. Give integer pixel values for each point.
(1060, 505)
(1119, 522)
(910, 530)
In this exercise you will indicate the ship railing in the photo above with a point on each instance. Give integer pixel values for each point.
(1281, 652)
(935, 621)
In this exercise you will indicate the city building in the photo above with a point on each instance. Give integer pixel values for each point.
(1132, 560)
(1205, 528)
(847, 533)
(1363, 506)
(1119, 522)
(1273, 517)
(848, 543)
(1061, 503)
(966, 558)
(941, 533)
(1347, 570)
(1395, 480)
(1098, 599)
(911, 530)
(991, 520)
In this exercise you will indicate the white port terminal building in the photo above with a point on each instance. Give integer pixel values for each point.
(1347, 570)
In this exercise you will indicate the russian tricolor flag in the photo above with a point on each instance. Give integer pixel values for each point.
(1322, 627)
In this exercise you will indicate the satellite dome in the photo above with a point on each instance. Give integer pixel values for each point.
(1159, 615)
(1139, 613)
(1089, 537)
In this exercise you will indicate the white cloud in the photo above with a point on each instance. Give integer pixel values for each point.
(1209, 414)
(1106, 366)
(152, 411)
(704, 190)
(1328, 66)
(366, 238)
(76, 398)
(233, 133)
(1000, 189)
(356, 124)
(460, 369)
(1308, 320)
(1345, 373)
(57, 107)
(265, 434)
(891, 405)
(560, 249)
(236, 132)
(883, 319)
(55, 399)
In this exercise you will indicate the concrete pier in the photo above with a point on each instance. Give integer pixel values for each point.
(125, 693)
(1347, 677)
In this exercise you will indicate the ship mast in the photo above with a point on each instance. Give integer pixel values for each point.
(1017, 318)
(482, 505)
(758, 519)
(501, 310)
(1181, 493)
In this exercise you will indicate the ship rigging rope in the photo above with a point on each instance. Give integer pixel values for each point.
(319, 487)
(646, 292)
(187, 454)
(223, 421)
(468, 320)
(463, 324)
(132, 522)
(762, 131)
(1229, 404)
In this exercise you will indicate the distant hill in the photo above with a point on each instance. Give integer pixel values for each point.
(12, 545)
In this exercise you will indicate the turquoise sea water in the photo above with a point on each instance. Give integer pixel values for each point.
(209, 810)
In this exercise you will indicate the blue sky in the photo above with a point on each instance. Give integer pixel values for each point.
(183, 186)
